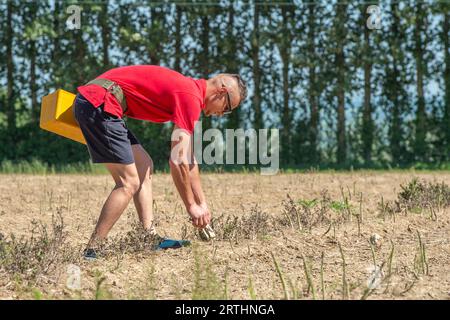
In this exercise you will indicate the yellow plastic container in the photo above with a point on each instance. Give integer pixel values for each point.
(57, 115)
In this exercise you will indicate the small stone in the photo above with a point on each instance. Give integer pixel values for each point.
(396, 291)
(376, 240)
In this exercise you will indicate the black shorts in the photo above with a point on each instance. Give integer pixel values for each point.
(108, 138)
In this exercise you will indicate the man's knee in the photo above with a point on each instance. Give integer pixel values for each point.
(131, 185)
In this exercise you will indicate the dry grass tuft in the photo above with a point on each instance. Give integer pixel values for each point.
(40, 254)
(248, 226)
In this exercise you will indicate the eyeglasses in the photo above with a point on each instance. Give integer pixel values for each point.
(228, 109)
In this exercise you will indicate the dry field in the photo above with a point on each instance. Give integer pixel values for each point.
(290, 236)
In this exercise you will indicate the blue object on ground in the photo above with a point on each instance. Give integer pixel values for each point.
(172, 244)
(90, 254)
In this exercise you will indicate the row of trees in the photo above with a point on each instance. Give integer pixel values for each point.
(340, 92)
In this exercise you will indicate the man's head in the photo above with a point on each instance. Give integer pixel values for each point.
(224, 93)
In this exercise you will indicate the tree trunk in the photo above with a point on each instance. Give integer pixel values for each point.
(367, 127)
(233, 120)
(155, 51)
(207, 123)
(340, 66)
(80, 56)
(105, 34)
(394, 88)
(258, 121)
(56, 50)
(179, 16)
(33, 86)
(313, 92)
(446, 120)
(34, 110)
(286, 116)
(419, 145)
(10, 94)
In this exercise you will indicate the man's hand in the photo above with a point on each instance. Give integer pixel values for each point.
(205, 206)
(200, 215)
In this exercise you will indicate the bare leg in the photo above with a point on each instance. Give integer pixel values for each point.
(143, 198)
(127, 183)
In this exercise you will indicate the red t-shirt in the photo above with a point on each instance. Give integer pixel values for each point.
(152, 93)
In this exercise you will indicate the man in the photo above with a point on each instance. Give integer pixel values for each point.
(155, 94)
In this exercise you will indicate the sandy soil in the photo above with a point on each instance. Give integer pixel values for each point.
(173, 274)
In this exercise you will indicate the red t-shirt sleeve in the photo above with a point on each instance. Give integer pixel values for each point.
(186, 111)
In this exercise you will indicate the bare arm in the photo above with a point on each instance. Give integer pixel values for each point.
(179, 169)
(186, 180)
(194, 175)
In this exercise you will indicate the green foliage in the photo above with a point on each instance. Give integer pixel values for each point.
(251, 289)
(339, 206)
(293, 58)
(308, 203)
(305, 214)
(207, 284)
(101, 290)
(37, 294)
